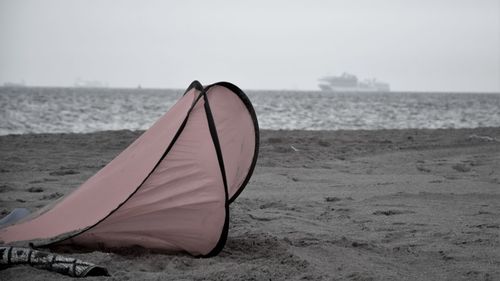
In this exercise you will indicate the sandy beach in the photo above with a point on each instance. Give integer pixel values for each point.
(321, 205)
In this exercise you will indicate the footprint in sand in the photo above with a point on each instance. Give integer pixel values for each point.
(5, 188)
(461, 167)
(42, 180)
(63, 173)
(51, 196)
(263, 217)
(337, 199)
(488, 225)
(275, 140)
(445, 256)
(332, 199)
(275, 205)
(392, 212)
(421, 168)
(35, 189)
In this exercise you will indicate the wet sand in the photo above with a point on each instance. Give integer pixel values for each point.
(321, 205)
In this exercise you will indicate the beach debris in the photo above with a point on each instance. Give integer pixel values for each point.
(10, 256)
(482, 138)
(294, 149)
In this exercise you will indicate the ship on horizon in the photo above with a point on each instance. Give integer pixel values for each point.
(350, 83)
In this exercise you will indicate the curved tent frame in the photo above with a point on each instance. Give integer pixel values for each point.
(84, 235)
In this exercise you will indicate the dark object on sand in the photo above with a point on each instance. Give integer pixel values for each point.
(10, 256)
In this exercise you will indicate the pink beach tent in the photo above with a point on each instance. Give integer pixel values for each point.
(168, 191)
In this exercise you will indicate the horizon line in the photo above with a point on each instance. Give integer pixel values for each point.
(250, 89)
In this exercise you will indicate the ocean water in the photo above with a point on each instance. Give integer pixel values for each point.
(79, 110)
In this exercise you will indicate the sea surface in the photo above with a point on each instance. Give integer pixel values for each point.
(78, 110)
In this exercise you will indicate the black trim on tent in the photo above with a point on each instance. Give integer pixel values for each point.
(215, 139)
(195, 84)
(213, 132)
(246, 101)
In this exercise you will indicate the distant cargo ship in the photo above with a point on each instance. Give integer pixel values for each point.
(350, 83)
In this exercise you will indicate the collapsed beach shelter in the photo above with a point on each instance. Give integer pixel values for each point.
(168, 191)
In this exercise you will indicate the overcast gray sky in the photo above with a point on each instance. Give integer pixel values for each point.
(422, 45)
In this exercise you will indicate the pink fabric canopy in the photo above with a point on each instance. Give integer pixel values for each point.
(169, 190)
